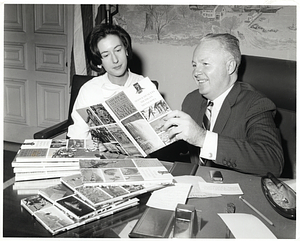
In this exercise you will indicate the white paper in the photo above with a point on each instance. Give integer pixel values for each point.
(248, 226)
(195, 191)
(221, 188)
(167, 198)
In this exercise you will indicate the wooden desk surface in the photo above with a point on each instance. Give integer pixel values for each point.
(17, 222)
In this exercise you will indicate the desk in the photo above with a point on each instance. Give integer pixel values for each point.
(18, 222)
(214, 227)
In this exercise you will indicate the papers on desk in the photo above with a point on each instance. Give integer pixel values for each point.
(202, 189)
(189, 187)
(244, 225)
(168, 197)
(221, 188)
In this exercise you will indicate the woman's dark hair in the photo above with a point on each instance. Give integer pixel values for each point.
(100, 32)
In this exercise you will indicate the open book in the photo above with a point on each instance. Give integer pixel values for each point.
(131, 121)
(107, 180)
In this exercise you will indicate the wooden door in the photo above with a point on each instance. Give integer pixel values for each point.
(36, 74)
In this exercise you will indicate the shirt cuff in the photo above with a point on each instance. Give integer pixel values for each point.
(210, 146)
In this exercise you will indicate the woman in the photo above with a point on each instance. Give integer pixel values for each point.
(110, 49)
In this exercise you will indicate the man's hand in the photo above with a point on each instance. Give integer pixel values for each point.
(181, 126)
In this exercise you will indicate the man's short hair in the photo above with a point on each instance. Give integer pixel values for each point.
(229, 42)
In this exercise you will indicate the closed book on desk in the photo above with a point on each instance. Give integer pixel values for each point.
(183, 168)
(56, 220)
(57, 150)
(154, 223)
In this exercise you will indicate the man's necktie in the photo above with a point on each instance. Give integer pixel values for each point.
(206, 125)
(207, 116)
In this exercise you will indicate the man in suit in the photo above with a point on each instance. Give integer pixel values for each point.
(242, 133)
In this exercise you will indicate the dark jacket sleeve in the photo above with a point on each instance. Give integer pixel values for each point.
(252, 144)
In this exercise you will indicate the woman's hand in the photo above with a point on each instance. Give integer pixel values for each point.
(180, 126)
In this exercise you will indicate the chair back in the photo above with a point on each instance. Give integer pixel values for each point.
(77, 82)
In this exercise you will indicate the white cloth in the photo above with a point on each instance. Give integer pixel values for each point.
(94, 92)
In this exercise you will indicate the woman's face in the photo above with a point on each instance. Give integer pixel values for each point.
(114, 58)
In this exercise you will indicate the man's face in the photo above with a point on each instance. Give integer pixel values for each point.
(210, 69)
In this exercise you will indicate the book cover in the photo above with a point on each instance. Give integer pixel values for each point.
(36, 184)
(52, 158)
(55, 220)
(25, 176)
(123, 171)
(45, 168)
(65, 199)
(45, 163)
(105, 194)
(183, 168)
(131, 121)
(55, 150)
(104, 181)
(154, 223)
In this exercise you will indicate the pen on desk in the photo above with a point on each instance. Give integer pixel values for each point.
(258, 212)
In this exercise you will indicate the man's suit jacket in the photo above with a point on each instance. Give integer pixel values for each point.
(248, 139)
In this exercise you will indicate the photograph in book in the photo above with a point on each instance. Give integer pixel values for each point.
(131, 121)
(35, 203)
(54, 220)
(110, 171)
(142, 132)
(26, 176)
(99, 195)
(73, 205)
(103, 114)
(37, 150)
(94, 195)
(114, 139)
(55, 192)
(76, 208)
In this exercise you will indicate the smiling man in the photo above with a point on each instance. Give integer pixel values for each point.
(242, 134)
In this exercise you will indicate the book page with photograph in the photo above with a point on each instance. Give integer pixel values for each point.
(131, 121)
(125, 171)
(56, 220)
(37, 150)
(105, 181)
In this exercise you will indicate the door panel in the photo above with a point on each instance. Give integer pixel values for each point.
(50, 106)
(36, 52)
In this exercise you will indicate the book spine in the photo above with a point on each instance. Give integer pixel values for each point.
(41, 175)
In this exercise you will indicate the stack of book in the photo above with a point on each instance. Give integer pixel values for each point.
(100, 176)
(102, 187)
(130, 123)
(41, 162)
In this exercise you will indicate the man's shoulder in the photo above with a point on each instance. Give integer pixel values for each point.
(252, 96)
(194, 95)
(191, 100)
(248, 90)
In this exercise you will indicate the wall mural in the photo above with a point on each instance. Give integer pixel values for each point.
(265, 30)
